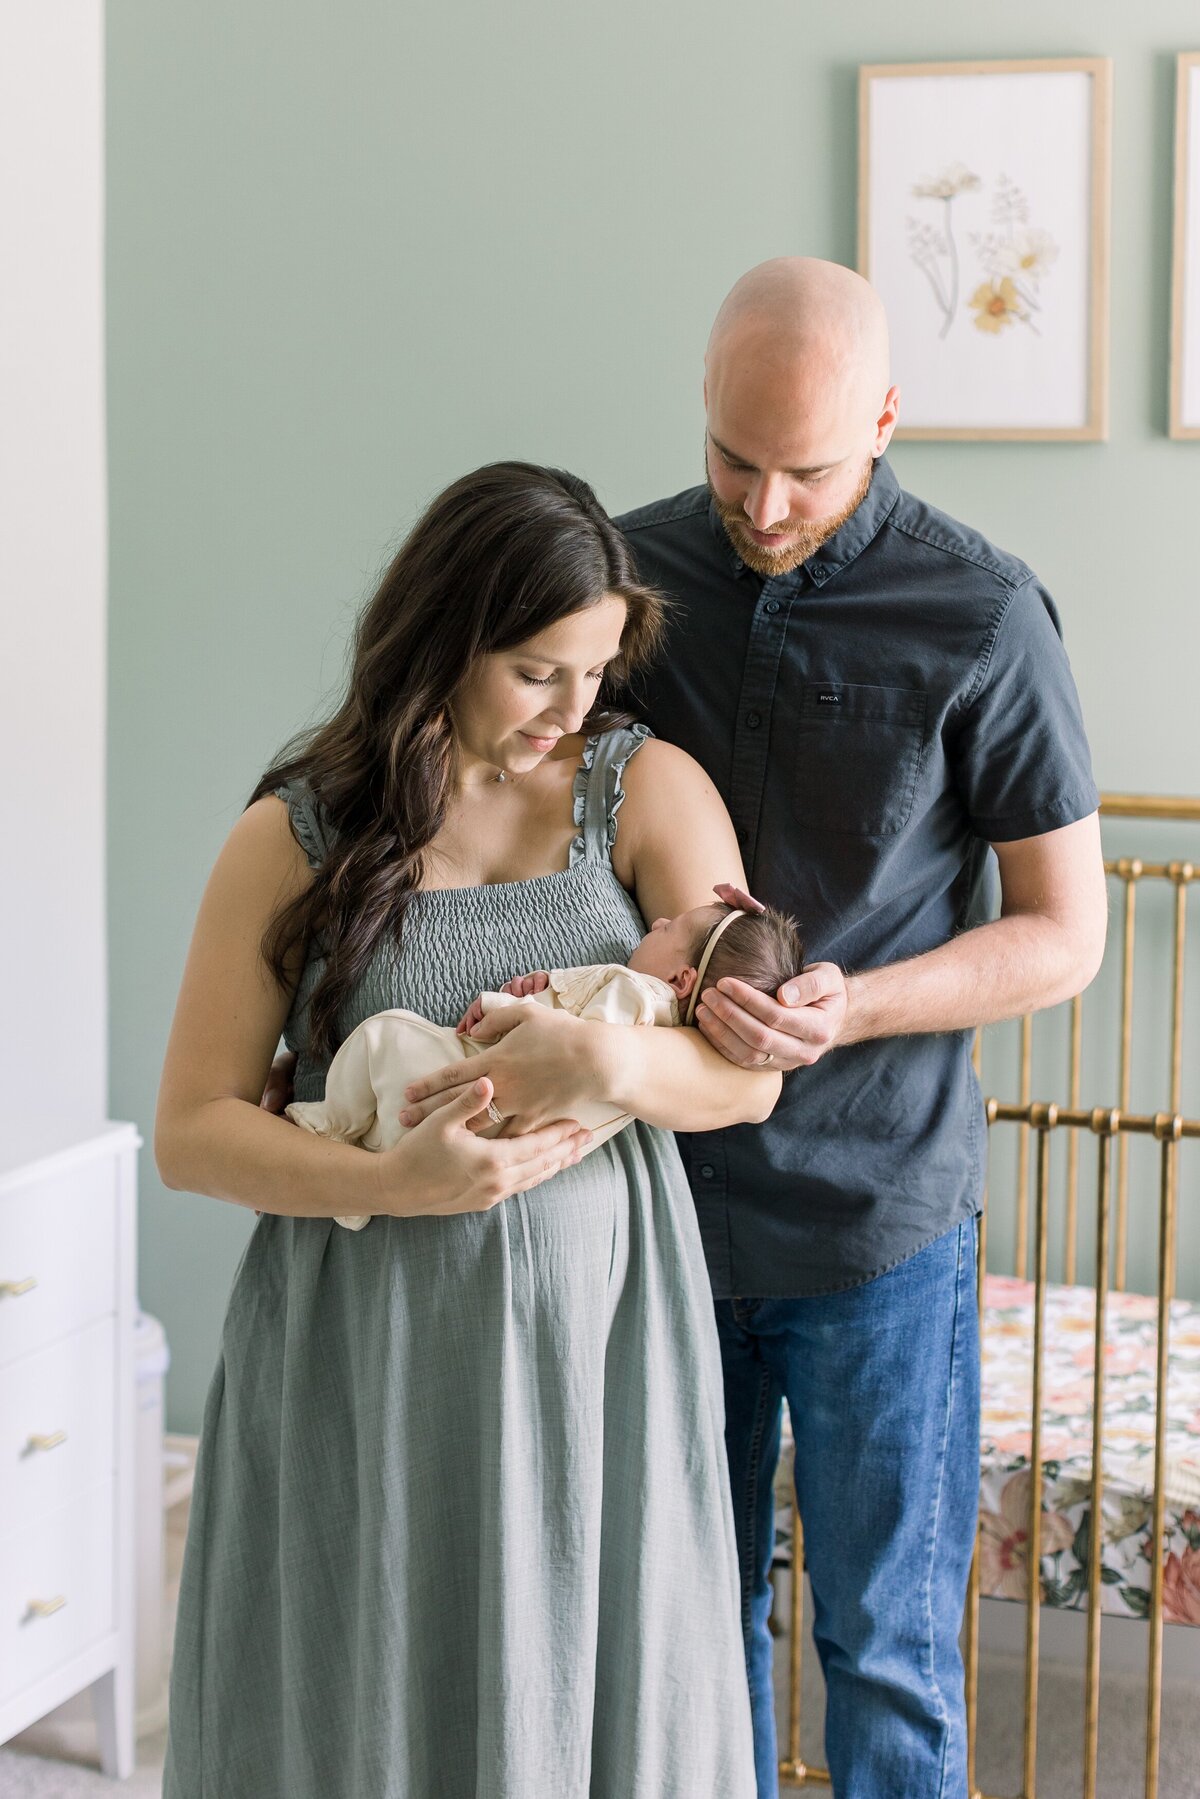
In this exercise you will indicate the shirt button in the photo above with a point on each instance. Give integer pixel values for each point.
(706, 1171)
(754, 719)
(772, 606)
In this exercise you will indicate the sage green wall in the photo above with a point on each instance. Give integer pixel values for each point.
(354, 251)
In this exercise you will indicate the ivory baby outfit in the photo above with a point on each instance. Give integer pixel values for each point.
(364, 1089)
(461, 1523)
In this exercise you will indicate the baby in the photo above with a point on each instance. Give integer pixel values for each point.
(364, 1089)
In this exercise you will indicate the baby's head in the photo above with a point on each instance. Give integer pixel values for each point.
(761, 948)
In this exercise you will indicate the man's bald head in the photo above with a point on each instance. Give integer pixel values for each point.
(799, 406)
(804, 317)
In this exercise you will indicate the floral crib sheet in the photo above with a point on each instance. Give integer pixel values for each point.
(1129, 1407)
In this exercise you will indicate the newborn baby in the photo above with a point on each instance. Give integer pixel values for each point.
(364, 1089)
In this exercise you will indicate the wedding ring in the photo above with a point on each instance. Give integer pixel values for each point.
(766, 1061)
(494, 1112)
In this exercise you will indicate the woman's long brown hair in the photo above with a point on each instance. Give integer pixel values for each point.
(496, 558)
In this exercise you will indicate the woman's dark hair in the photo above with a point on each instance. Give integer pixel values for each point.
(764, 949)
(495, 559)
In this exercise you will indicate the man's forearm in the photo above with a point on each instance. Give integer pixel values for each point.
(1000, 970)
(677, 1081)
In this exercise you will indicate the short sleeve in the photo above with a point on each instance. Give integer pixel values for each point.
(309, 827)
(1020, 755)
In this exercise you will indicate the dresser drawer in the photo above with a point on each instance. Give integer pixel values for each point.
(67, 1556)
(58, 1256)
(56, 1424)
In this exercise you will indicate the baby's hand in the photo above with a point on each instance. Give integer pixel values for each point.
(470, 1018)
(521, 986)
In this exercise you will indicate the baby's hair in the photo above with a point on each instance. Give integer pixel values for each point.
(764, 949)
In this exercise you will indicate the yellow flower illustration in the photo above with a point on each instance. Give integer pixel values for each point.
(996, 304)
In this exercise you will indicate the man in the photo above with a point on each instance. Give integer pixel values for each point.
(879, 695)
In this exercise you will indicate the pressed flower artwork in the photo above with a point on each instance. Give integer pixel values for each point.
(983, 217)
(1012, 257)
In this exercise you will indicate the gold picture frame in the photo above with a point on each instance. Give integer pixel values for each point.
(999, 316)
(1185, 273)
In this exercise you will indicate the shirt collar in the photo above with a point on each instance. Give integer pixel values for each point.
(847, 542)
(723, 541)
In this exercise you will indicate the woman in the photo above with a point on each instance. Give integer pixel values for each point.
(460, 1525)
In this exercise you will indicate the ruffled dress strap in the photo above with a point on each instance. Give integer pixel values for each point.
(599, 793)
(309, 826)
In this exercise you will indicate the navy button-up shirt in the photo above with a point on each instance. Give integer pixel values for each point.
(873, 721)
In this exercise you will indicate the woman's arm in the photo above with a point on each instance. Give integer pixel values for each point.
(674, 840)
(211, 1134)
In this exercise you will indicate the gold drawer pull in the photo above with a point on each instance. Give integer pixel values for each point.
(13, 1288)
(50, 1442)
(42, 1608)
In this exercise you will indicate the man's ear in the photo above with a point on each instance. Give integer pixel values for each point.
(682, 982)
(887, 421)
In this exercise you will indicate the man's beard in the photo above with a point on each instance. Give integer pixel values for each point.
(805, 537)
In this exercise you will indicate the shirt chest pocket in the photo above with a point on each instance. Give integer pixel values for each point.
(858, 757)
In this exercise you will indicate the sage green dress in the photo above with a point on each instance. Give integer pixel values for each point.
(461, 1525)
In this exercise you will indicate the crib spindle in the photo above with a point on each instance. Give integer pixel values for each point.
(970, 1670)
(1182, 874)
(1044, 1120)
(1130, 869)
(1168, 1129)
(1025, 1080)
(971, 1646)
(1074, 1076)
(1104, 1124)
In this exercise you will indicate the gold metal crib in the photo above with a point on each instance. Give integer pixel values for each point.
(1040, 1143)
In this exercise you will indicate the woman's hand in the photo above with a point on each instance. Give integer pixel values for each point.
(542, 1065)
(442, 1167)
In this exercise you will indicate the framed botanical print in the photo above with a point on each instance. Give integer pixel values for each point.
(1185, 304)
(984, 225)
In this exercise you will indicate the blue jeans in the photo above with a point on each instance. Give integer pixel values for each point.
(882, 1384)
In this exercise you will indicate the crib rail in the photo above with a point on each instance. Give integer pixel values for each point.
(1112, 1127)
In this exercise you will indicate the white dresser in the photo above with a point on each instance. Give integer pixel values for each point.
(68, 1250)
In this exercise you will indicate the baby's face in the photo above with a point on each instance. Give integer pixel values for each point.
(667, 949)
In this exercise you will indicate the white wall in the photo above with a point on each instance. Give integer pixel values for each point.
(53, 560)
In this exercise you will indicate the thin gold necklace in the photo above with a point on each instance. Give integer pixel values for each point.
(501, 776)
